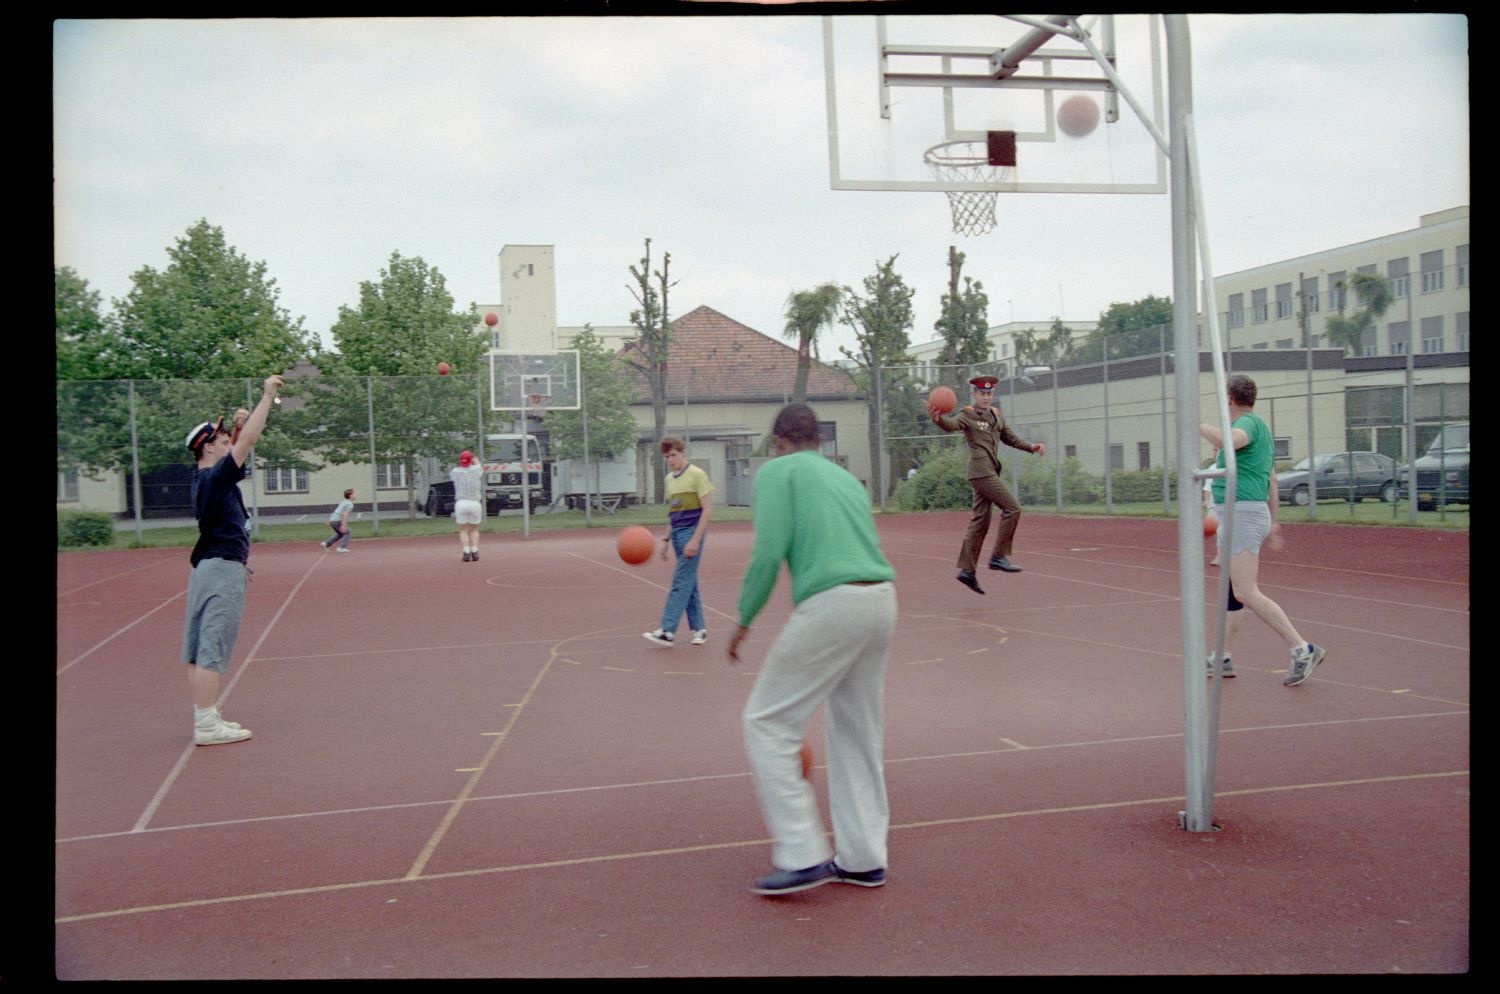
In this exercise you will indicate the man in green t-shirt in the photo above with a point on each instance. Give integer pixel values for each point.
(815, 516)
(1254, 521)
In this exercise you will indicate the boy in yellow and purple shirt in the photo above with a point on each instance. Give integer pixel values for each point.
(687, 489)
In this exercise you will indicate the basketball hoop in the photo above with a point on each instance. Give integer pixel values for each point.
(968, 162)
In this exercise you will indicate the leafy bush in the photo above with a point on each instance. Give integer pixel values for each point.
(81, 529)
(941, 483)
(1039, 483)
(1138, 486)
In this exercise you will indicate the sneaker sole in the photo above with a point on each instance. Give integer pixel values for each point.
(666, 643)
(862, 883)
(778, 891)
(224, 740)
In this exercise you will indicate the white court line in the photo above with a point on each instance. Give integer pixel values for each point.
(733, 844)
(673, 781)
(115, 576)
(117, 633)
(166, 786)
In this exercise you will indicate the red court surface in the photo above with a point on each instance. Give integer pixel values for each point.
(482, 769)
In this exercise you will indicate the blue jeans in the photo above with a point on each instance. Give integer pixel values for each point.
(684, 592)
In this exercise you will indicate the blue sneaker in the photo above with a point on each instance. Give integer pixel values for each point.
(860, 878)
(791, 881)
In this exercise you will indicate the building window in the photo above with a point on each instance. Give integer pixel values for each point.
(1259, 311)
(1143, 452)
(1070, 452)
(1283, 301)
(1338, 290)
(390, 476)
(285, 480)
(67, 486)
(1260, 345)
(1369, 342)
(1283, 343)
(1310, 295)
(1236, 310)
(1432, 271)
(1314, 341)
(828, 438)
(1432, 334)
(1461, 329)
(1117, 457)
(1398, 333)
(1283, 448)
(1397, 271)
(1461, 266)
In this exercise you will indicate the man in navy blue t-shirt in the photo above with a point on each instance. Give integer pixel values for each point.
(216, 586)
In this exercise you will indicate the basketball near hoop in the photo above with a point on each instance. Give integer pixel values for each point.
(1077, 116)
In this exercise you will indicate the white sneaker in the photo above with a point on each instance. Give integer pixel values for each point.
(659, 637)
(700, 636)
(340, 550)
(218, 733)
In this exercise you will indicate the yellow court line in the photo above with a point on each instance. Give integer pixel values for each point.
(719, 846)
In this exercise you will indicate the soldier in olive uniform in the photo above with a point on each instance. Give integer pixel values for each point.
(984, 429)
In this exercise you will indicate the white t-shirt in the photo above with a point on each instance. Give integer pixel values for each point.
(468, 484)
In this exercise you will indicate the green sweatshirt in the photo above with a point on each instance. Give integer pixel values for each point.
(815, 515)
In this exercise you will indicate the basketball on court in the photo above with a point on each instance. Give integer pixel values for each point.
(942, 399)
(635, 544)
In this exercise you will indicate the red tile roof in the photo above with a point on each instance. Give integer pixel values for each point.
(715, 359)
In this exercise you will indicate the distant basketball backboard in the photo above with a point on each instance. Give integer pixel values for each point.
(534, 381)
(899, 87)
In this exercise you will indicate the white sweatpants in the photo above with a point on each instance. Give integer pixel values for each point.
(834, 648)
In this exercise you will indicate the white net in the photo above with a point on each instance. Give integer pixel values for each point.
(968, 162)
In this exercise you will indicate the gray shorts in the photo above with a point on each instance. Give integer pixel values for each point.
(1252, 523)
(215, 601)
(468, 512)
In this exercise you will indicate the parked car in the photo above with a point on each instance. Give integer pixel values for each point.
(1443, 470)
(1347, 476)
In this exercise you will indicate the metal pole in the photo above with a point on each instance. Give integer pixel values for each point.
(135, 467)
(1109, 461)
(588, 484)
(1057, 436)
(1198, 816)
(374, 469)
(1411, 415)
(1166, 462)
(880, 474)
(254, 479)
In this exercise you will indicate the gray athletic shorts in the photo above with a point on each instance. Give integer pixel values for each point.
(215, 601)
(1252, 523)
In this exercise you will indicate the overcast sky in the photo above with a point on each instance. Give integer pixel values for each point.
(321, 146)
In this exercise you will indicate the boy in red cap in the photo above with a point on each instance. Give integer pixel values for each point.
(468, 502)
(984, 429)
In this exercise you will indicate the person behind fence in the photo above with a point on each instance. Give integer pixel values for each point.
(339, 522)
(220, 562)
(688, 509)
(984, 429)
(468, 502)
(1253, 520)
(833, 651)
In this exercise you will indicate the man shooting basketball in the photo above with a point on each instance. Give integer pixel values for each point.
(221, 571)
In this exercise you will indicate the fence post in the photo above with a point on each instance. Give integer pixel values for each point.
(374, 469)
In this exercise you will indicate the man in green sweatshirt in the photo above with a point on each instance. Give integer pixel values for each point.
(815, 516)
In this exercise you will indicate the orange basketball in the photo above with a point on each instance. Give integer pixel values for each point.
(807, 760)
(442, 369)
(635, 544)
(942, 399)
(1210, 524)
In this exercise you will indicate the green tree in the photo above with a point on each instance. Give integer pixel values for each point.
(211, 314)
(881, 319)
(388, 348)
(195, 339)
(1132, 329)
(964, 323)
(808, 312)
(607, 395)
(1373, 292)
(1054, 349)
(649, 353)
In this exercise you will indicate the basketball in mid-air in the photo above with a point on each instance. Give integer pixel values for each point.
(942, 399)
(491, 318)
(1078, 115)
(635, 544)
(442, 369)
(1210, 524)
